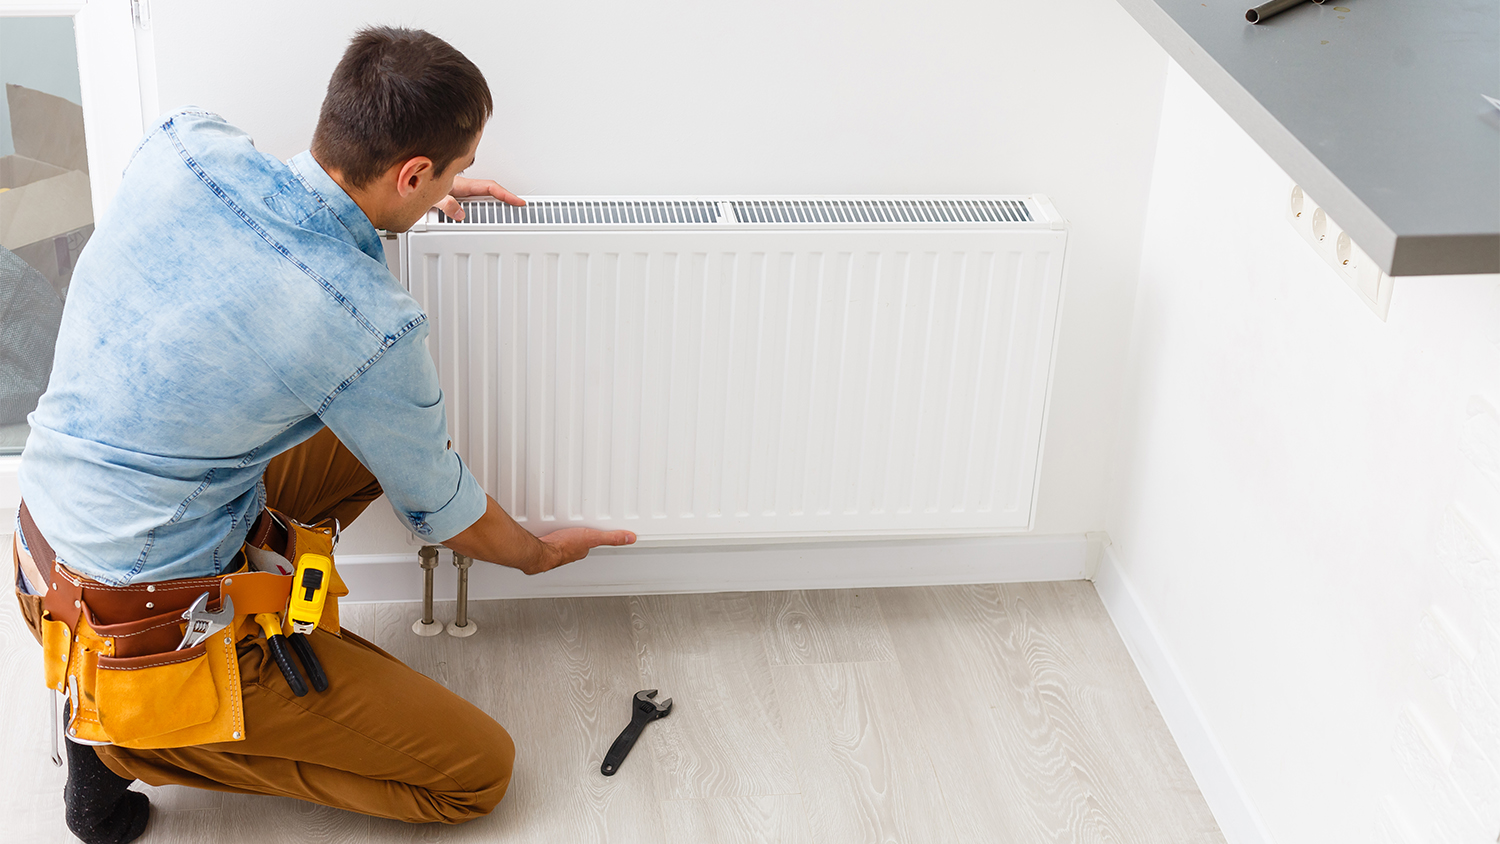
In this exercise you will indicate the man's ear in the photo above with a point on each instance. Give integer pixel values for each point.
(412, 174)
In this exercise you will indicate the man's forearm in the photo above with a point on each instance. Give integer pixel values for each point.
(496, 538)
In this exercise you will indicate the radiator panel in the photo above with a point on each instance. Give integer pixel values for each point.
(691, 384)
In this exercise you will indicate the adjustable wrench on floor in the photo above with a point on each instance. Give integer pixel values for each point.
(643, 711)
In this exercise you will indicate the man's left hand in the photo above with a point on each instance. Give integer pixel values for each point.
(465, 188)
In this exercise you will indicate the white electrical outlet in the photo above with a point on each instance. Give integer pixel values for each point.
(1351, 263)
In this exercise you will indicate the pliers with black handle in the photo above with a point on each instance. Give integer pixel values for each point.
(270, 623)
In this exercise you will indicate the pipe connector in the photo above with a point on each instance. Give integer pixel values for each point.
(427, 558)
(462, 627)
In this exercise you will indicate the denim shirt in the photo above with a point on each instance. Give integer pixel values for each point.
(228, 306)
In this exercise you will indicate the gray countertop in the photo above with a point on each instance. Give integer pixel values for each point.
(1373, 106)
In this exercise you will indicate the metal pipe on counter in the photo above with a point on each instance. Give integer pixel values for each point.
(1266, 10)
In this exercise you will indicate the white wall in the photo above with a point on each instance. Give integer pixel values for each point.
(663, 97)
(1306, 503)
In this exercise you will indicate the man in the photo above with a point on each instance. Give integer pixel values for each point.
(233, 340)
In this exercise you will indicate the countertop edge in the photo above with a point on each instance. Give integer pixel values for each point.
(1395, 254)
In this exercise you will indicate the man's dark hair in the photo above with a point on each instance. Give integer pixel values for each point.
(397, 94)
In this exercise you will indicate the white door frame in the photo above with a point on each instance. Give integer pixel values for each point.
(110, 70)
(116, 72)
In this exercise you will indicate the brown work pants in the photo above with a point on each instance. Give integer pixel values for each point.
(383, 740)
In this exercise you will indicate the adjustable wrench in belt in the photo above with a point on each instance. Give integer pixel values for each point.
(201, 623)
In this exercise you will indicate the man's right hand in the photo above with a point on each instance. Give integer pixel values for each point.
(571, 544)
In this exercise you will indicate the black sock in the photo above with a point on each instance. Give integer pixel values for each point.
(100, 808)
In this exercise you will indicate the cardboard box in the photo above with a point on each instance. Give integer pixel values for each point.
(46, 207)
(47, 128)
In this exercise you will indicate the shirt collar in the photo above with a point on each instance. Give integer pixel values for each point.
(339, 203)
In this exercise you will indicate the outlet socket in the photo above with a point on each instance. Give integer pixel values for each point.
(1363, 276)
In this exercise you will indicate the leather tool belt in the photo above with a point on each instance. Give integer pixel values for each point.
(111, 650)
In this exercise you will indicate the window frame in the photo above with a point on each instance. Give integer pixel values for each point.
(116, 74)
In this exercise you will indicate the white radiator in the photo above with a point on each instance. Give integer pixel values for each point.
(714, 368)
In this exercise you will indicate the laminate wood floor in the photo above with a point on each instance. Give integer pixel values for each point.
(996, 713)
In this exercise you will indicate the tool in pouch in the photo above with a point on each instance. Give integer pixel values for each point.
(643, 711)
(304, 609)
(201, 623)
(312, 577)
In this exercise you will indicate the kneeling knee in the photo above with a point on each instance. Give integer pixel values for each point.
(488, 778)
(502, 758)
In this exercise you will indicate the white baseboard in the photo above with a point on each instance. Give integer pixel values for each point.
(736, 568)
(1226, 796)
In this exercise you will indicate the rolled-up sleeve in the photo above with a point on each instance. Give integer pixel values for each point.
(392, 418)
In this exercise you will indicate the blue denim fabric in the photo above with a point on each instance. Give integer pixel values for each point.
(228, 307)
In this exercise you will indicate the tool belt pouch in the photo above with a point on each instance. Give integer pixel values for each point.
(127, 684)
(155, 699)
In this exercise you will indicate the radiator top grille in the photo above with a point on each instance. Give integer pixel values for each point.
(585, 212)
(746, 211)
(880, 211)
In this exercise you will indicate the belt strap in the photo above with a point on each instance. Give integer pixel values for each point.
(67, 593)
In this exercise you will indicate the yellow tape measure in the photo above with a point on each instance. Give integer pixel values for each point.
(309, 592)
